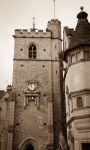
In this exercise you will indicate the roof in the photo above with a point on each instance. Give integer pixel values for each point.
(1, 93)
(81, 34)
(68, 31)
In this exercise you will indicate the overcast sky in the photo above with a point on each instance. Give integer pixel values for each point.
(16, 14)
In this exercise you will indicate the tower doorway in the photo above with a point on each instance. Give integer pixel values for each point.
(30, 147)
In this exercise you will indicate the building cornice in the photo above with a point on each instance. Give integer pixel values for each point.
(75, 118)
(37, 60)
(77, 109)
(74, 47)
(50, 37)
(77, 93)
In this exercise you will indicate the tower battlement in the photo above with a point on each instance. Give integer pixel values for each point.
(55, 27)
(54, 22)
(32, 33)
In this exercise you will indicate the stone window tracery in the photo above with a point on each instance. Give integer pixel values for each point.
(32, 51)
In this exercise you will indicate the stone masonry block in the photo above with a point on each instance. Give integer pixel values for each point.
(10, 128)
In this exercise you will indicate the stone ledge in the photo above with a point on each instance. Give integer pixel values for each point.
(78, 93)
(75, 118)
(50, 147)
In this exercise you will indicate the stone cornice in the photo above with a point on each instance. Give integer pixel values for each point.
(74, 47)
(78, 93)
(81, 60)
(34, 93)
(37, 60)
(86, 107)
(75, 118)
(50, 37)
(31, 36)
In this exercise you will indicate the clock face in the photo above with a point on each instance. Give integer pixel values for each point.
(31, 87)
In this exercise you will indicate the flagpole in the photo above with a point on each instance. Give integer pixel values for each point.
(54, 9)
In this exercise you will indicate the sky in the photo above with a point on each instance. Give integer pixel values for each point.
(16, 14)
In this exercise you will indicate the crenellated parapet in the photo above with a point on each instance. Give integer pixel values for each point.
(54, 22)
(54, 26)
(33, 33)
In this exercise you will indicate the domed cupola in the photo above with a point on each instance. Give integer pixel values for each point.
(81, 35)
(82, 14)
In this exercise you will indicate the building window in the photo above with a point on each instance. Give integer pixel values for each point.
(32, 51)
(79, 102)
(86, 54)
(78, 56)
(73, 58)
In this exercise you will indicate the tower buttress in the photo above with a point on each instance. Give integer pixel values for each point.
(56, 68)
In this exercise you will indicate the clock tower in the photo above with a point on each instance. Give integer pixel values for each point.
(36, 89)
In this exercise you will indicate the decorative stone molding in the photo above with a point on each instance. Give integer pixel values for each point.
(86, 107)
(76, 117)
(31, 93)
(50, 147)
(78, 93)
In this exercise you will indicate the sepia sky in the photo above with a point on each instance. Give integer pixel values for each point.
(16, 14)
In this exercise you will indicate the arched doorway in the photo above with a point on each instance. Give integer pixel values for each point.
(30, 147)
(28, 144)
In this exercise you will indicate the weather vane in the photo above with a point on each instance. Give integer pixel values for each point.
(33, 22)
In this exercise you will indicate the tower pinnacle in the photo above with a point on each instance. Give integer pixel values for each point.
(82, 14)
(81, 8)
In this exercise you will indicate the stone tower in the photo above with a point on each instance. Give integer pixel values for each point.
(77, 85)
(36, 89)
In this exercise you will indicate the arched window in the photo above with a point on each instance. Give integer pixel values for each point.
(32, 51)
(79, 102)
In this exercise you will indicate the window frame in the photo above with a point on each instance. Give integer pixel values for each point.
(74, 56)
(79, 104)
(32, 53)
(88, 54)
(77, 57)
